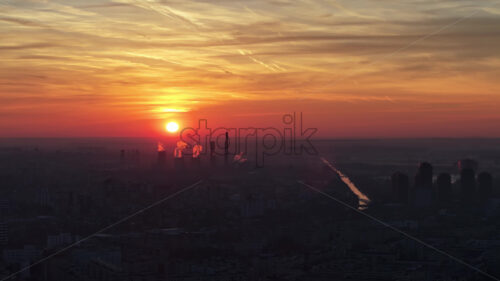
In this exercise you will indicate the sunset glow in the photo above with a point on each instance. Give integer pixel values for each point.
(354, 68)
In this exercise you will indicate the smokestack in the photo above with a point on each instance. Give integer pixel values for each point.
(226, 148)
(197, 149)
(178, 159)
(162, 154)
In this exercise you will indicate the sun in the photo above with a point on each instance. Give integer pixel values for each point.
(172, 127)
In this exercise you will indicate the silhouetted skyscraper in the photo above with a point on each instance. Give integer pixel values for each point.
(467, 164)
(467, 186)
(444, 188)
(423, 186)
(423, 179)
(485, 186)
(226, 144)
(400, 187)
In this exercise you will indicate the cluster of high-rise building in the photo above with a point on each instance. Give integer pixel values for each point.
(441, 190)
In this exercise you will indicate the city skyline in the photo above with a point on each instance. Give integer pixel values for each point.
(270, 140)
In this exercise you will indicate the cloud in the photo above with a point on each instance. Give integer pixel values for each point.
(22, 22)
(161, 9)
(27, 46)
(134, 56)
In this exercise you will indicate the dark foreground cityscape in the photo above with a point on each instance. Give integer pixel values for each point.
(237, 140)
(123, 209)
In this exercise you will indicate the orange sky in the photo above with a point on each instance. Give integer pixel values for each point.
(354, 68)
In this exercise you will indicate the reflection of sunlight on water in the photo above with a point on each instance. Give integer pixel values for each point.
(363, 200)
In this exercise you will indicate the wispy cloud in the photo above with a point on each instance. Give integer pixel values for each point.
(137, 57)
